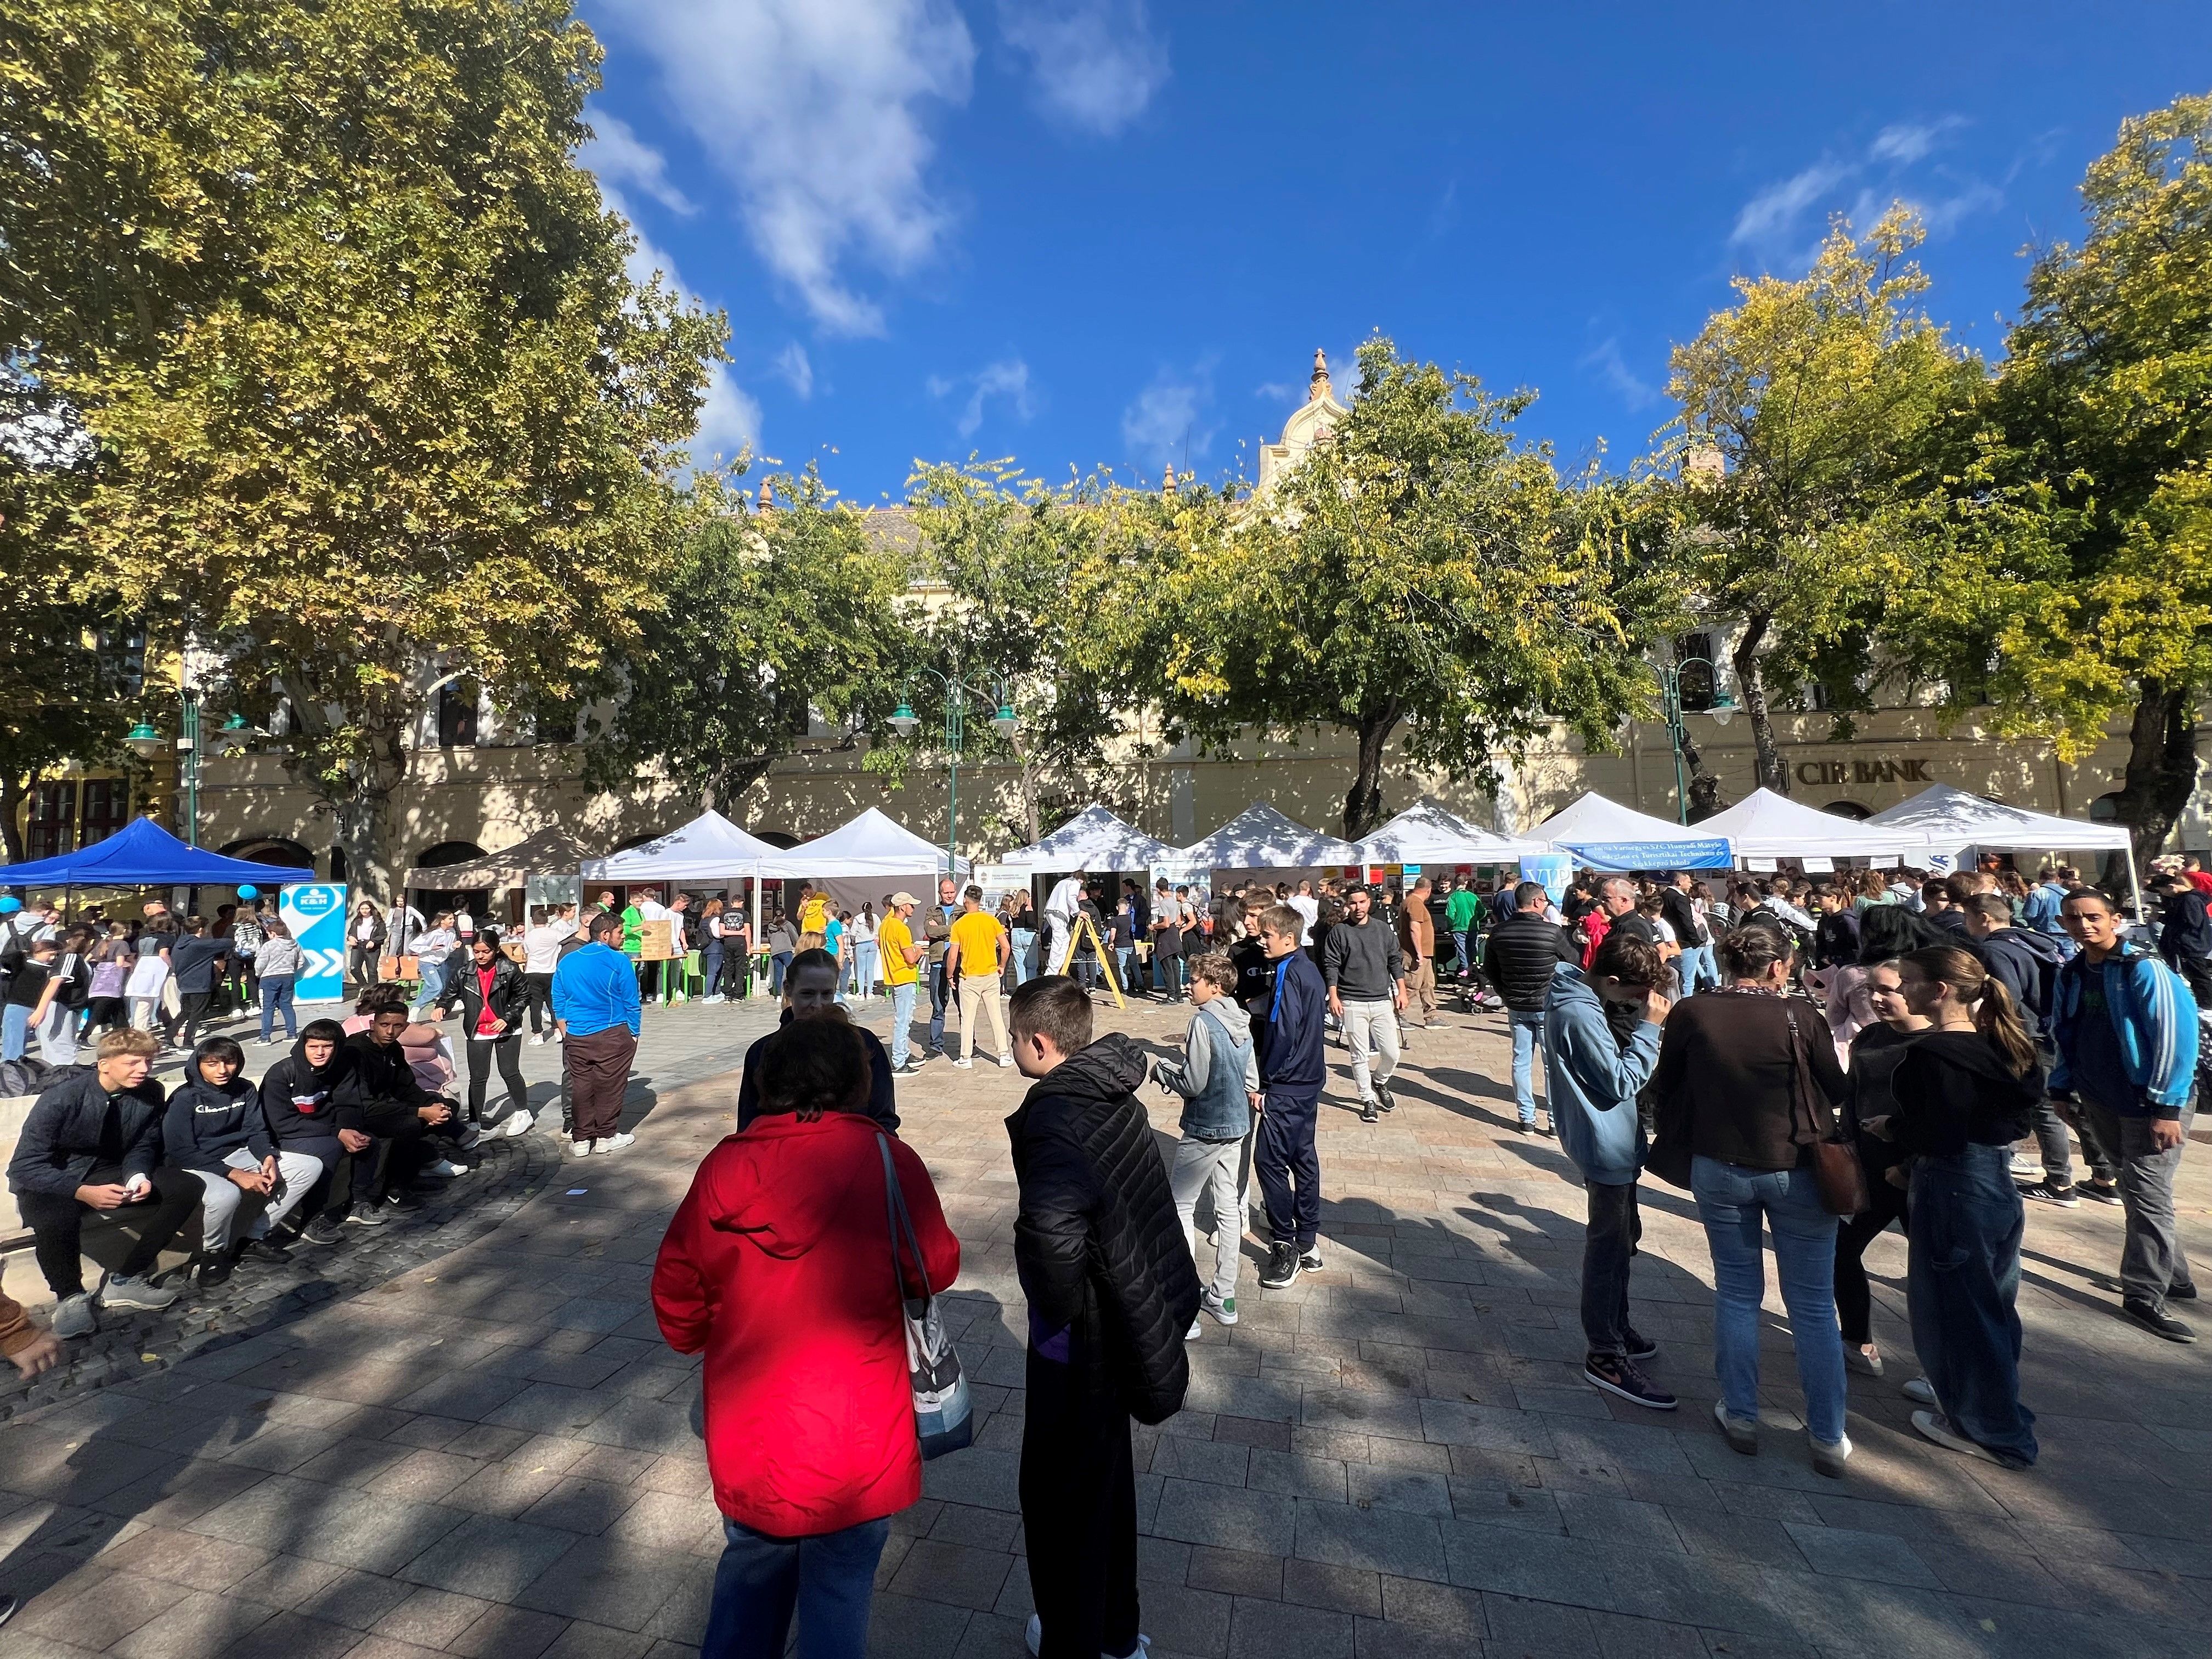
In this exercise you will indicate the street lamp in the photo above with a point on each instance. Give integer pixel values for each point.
(1004, 721)
(144, 740)
(1722, 708)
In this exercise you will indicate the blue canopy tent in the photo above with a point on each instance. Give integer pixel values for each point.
(143, 854)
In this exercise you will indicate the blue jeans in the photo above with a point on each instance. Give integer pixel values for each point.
(14, 1031)
(1962, 1283)
(1528, 1043)
(1024, 943)
(828, 1580)
(864, 967)
(1697, 968)
(937, 1000)
(902, 1021)
(275, 993)
(1730, 1200)
(778, 965)
(710, 968)
(434, 981)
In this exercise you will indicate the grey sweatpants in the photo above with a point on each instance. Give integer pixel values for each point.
(295, 1173)
(2151, 1260)
(1214, 1165)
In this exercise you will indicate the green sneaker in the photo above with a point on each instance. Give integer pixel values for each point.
(1223, 1308)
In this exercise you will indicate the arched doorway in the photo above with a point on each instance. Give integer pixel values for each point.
(271, 850)
(431, 900)
(1849, 808)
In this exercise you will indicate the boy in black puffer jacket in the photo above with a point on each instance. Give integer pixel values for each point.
(1111, 1291)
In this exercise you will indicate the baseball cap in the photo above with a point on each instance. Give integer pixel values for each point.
(900, 898)
(10, 905)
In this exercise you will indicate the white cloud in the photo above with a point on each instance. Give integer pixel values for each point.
(1943, 214)
(798, 372)
(1006, 380)
(1613, 368)
(623, 160)
(1161, 424)
(1096, 64)
(1278, 391)
(1911, 141)
(816, 110)
(1773, 215)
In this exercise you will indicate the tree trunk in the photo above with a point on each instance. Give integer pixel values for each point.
(1705, 789)
(2162, 769)
(13, 789)
(1772, 774)
(1362, 802)
(364, 820)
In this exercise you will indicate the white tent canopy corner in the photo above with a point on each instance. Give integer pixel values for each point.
(1094, 839)
(1427, 833)
(708, 847)
(1261, 838)
(1950, 820)
(870, 845)
(1767, 826)
(1607, 836)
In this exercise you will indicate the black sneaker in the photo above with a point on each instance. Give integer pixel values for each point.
(404, 1203)
(323, 1230)
(2100, 1192)
(1309, 1261)
(1367, 1112)
(1282, 1269)
(1619, 1375)
(1639, 1346)
(367, 1215)
(2047, 1191)
(261, 1249)
(1388, 1100)
(912, 1065)
(212, 1272)
(2181, 1293)
(2157, 1321)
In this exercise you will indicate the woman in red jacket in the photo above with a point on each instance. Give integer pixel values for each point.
(779, 1266)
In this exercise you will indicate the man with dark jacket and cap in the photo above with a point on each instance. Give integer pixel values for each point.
(1522, 952)
(1111, 1289)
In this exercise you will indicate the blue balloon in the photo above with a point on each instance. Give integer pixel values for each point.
(249, 892)
(8, 906)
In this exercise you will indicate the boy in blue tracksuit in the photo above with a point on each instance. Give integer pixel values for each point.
(1594, 1079)
(2126, 1029)
(1286, 1038)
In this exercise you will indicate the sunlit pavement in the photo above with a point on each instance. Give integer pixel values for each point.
(485, 1450)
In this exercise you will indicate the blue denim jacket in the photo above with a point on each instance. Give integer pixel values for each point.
(1218, 1072)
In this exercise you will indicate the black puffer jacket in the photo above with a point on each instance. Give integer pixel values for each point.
(1523, 949)
(1100, 1252)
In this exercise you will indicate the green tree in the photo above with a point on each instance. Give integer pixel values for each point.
(767, 617)
(1819, 396)
(374, 403)
(2069, 582)
(1421, 578)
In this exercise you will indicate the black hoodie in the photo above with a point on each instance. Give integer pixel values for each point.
(1954, 1089)
(1100, 1252)
(299, 1100)
(2028, 963)
(204, 1124)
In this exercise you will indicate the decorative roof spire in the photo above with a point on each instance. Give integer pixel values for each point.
(1317, 388)
(1168, 480)
(767, 495)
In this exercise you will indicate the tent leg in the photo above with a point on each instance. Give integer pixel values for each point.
(2135, 885)
(756, 937)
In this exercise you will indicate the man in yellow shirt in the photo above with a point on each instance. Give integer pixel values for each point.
(975, 958)
(899, 955)
(813, 918)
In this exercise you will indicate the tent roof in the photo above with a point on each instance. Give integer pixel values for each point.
(708, 848)
(1260, 838)
(872, 844)
(1609, 835)
(142, 853)
(1949, 819)
(1766, 825)
(1427, 833)
(1094, 839)
(552, 849)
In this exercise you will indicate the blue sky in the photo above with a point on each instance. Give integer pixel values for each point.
(1097, 232)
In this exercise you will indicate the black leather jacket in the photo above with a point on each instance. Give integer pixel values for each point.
(1523, 949)
(1097, 1243)
(510, 992)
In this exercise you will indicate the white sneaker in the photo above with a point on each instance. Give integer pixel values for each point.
(2027, 1168)
(1191, 1335)
(581, 1148)
(1005, 1060)
(536, 1038)
(1034, 1636)
(1829, 1460)
(965, 1065)
(615, 1143)
(708, 1002)
(519, 1123)
(446, 1169)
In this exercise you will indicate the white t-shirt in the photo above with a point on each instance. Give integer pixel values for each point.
(1664, 928)
(1309, 910)
(147, 975)
(541, 947)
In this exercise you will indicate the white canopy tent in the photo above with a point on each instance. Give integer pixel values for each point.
(1094, 839)
(1949, 820)
(864, 860)
(1607, 836)
(708, 848)
(1428, 834)
(1766, 825)
(1260, 838)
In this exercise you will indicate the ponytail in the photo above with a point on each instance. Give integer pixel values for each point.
(1996, 1016)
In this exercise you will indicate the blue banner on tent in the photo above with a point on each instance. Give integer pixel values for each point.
(1712, 854)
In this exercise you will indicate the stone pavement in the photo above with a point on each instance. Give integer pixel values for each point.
(489, 1453)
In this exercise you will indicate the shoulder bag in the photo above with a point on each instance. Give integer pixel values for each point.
(1836, 1166)
(942, 1413)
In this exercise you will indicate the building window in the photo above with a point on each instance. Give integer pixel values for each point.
(2106, 809)
(457, 715)
(51, 830)
(107, 809)
(1697, 680)
(1848, 809)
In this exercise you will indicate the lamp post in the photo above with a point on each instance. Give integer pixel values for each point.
(145, 742)
(1723, 709)
(905, 723)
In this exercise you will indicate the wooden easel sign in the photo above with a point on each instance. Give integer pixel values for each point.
(1084, 925)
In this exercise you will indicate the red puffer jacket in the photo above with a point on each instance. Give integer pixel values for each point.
(778, 1264)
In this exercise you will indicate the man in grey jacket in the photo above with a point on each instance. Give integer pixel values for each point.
(1593, 1080)
(1366, 980)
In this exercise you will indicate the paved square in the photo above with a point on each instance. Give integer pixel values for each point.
(465, 1437)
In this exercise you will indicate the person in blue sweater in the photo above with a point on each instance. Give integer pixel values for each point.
(2126, 1029)
(1287, 1043)
(1594, 1078)
(214, 1128)
(595, 1009)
